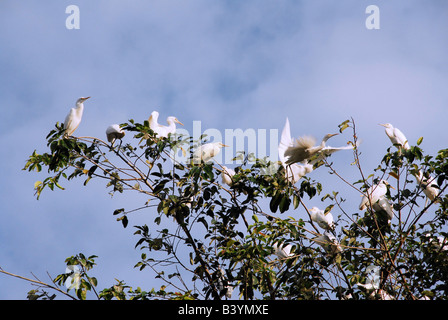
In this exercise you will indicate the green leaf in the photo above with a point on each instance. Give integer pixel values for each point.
(124, 221)
(296, 201)
(419, 141)
(118, 211)
(37, 184)
(344, 125)
(255, 218)
(275, 201)
(284, 203)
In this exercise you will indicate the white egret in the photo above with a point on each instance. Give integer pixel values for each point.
(378, 200)
(283, 251)
(442, 243)
(227, 175)
(220, 285)
(207, 151)
(384, 205)
(375, 192)
(395, 135)
(161, 130)
(73, 118)
(379, 294)
(439, 243)
(329, 243)
(429, 186)
(294, 171)
(114, 132)
(373, 278)
(324, 220)
(304, 148)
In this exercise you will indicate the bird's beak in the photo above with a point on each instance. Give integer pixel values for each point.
(382, 125)
(178, 122)
(334, 134)
(223, 145)
(86, 98)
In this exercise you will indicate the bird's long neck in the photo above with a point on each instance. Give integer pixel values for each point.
(171, 124)
(324, 140)
(79, 108)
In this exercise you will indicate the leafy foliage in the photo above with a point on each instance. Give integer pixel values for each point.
(205, 239)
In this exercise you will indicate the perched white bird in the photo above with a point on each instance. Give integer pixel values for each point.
(373, 278)
(73, 119)
(161, 130)
(227, 175)
(294, 171)
(114, 132)
(429, 186)
(442, 243)
(329, 243)
(282, 252)
(439, 243)
(384, 205)
(379, 294)
(207, 151)
(377, 195)
(221, 287)
(375, 192)
(325, 221)
(396, 136)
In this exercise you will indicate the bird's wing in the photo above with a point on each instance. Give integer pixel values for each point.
(400, 137)
(383, 204)
(69, 118)
(285, 142)
(363, 204)
(300, 149)
(305, 142)
(326, 151)
(111, 129)
(294, 172)
(69, 123)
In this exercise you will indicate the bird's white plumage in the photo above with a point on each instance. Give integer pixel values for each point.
(114, 132)
(375, 192)
(226, 175)
(161, 130)
(293, 172)
(396, 136)
(282, 251)
(304, 149)
(329, 242)
(325, 221)
(438, 243)
(207, 151)
(384, 205)
(328, 150)
(429, 185)
(74, 117)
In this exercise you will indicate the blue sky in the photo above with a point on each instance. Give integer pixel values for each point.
(231, 64)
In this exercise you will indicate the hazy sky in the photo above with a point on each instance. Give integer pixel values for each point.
(230, 64)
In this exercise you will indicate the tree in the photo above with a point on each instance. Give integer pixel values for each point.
(206, 240)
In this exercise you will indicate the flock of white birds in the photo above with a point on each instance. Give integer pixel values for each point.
(298, 158)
